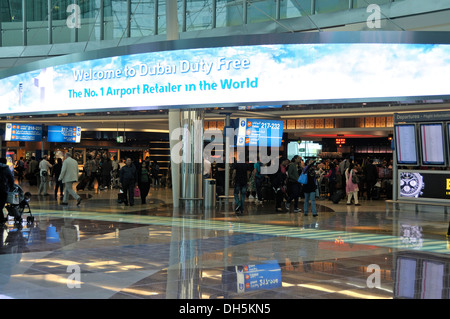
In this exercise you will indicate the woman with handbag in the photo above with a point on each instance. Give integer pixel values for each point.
(352, 184)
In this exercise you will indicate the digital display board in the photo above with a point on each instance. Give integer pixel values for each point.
(23, 132)
(266, 74)
(406, 144)
(61, 134)
(432, 144)
(258, 132)
(405, 277)
(431, 185)
(257, 277)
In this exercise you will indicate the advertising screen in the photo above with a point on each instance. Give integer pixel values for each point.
(268, 74)
(23, 132)
(61, 134)
(261, 133)
(434, 185)
(432, 144)
(406, 144)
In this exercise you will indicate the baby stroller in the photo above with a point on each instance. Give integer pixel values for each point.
(16, 203)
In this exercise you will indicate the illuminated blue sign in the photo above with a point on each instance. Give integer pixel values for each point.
(61, 134)
(261, 133)
(23, 132)
(257, 277)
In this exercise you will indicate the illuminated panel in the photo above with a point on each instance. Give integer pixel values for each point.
(432, 143)
(61, 134)
(406, 144)
(269, 74)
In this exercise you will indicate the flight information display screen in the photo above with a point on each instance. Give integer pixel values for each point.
(432, 144)
(406, 144)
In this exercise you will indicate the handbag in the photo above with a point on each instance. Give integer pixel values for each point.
(355, 179)
(137, 192)
(303, 179)
(13, 198)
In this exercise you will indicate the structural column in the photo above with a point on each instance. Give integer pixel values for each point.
(174, 115)
(192, 155)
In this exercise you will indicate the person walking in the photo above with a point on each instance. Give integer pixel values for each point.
(343, 166)
(33, 171)
(55, 174)
(69, 175)
(309, 189)
(106, 169)
(128, 180)
(20, 167)
(258, 181)
(332, 179)
(293, 186)
(279, 183)
(351, 185)
(144, 181)
(239, 180)
(6, 185)
(371, 176)
(44, 167)
(155, 174)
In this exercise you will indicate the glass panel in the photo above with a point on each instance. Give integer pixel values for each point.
(12, 34)
(261, 10)
(295, 8)
(161, 17)
(142, 18)
(37, 22)
(11, 10)
(59, 9)
(11, 17)
(37, 33)
(61, 33)
(198, 14)
(326, 6)
(229, 13)
(115, 19)
(90, 20)
(37, 10)
(366, 3)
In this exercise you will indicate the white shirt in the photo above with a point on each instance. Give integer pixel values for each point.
(44, 165)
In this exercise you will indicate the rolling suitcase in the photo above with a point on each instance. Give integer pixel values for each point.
(337, 196)
(83, 183)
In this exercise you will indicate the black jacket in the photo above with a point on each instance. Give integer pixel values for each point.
(310, 186)
(128, 174)
(6, 178)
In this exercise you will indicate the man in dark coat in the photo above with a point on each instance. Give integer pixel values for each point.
(371, 175)
(128, 180)
(6, 185)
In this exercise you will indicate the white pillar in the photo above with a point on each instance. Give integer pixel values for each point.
(174, 115)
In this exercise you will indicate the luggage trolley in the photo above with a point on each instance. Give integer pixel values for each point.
(16, 203)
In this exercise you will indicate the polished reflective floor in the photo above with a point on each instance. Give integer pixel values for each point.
(105, 250)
